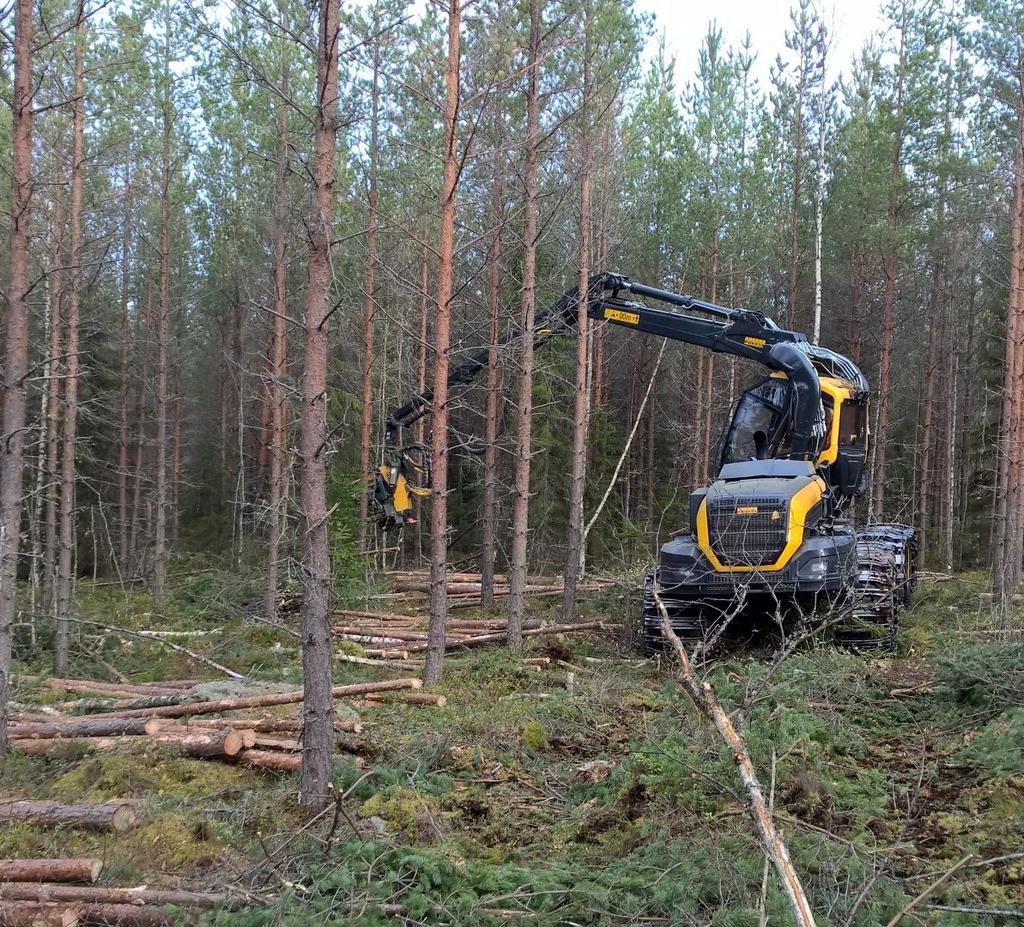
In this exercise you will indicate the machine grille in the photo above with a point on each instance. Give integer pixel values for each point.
(747, 531)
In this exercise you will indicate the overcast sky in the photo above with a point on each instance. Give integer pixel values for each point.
(685, 23)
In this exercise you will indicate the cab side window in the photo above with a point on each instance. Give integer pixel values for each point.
(853, 424)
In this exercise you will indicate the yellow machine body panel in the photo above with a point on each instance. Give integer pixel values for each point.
(800, 505)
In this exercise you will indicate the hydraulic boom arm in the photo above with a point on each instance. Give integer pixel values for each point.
(739, 332)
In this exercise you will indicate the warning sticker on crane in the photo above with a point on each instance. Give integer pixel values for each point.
(618, 315)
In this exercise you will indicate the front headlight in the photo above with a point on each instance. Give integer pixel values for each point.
(814, 569)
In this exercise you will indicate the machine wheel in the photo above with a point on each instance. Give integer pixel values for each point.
(883, 588)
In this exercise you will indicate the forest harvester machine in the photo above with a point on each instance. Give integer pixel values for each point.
(771, 535)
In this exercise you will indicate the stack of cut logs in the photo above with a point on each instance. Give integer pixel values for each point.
(464, 588)
(44, 893)
(396, 641)
(173, 718)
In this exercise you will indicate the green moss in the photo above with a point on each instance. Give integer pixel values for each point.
(172, 842)
(142, 774)
(535, 737)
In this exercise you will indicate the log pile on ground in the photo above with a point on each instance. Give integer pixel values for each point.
(262, 742)
(33, 904)
(464, 588)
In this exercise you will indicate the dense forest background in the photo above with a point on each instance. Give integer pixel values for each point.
(171, 175)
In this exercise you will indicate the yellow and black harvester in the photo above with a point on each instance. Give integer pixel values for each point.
(773, 531)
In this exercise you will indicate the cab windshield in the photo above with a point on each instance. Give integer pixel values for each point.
(759, 424)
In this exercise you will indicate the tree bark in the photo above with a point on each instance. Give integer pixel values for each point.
(581, 410)
(270, 759)
(316, 560)
(370, 284)
(66, 552)
(125, 373)
(524, 400)
(55, 375)
(105, 816)
(28, 891)
(278, 358)
(442, 346)
(889, 268)
(12, 430)
(78, 727)
(31, 914)
(163, 334)
(50, 870)
(488, 542)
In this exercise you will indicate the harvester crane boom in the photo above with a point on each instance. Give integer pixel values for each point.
(738, 332)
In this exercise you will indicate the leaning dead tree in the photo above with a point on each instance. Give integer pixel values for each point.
(703, 696)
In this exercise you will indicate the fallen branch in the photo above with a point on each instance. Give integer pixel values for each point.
(408, 698)
(704, 698)
(925, 892)
(50, 870)
(105, 816)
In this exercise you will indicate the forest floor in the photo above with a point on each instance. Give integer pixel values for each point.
(522, 802)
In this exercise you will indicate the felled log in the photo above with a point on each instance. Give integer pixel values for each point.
(87, 706)
(386, 654)
(78, 727)
(267, 725)
(370, 661)
(200, 745)
(124, 915)
(33, 914)
(409, 698)
(261, 701)
(94, 894)
(500, 635)
(173, 733)
(50, 870)
(119, 689)
(375, 616)
(271, 759)
(104, 816)
(283, 744)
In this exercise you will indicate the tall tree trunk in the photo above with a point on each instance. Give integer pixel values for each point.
(175, 514)
(278, 358)
(318, 708)
(53, 383)
(134, 545)
(66, 557)
(524, 402)
(889, 268)
(794, 215)
(12, 433)
(488, 542)
(370, 295)
(125, 373)
(581, 410)
(163, 335)
(442, 344)
(819, 199)
(924, 469)
(421, 372)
